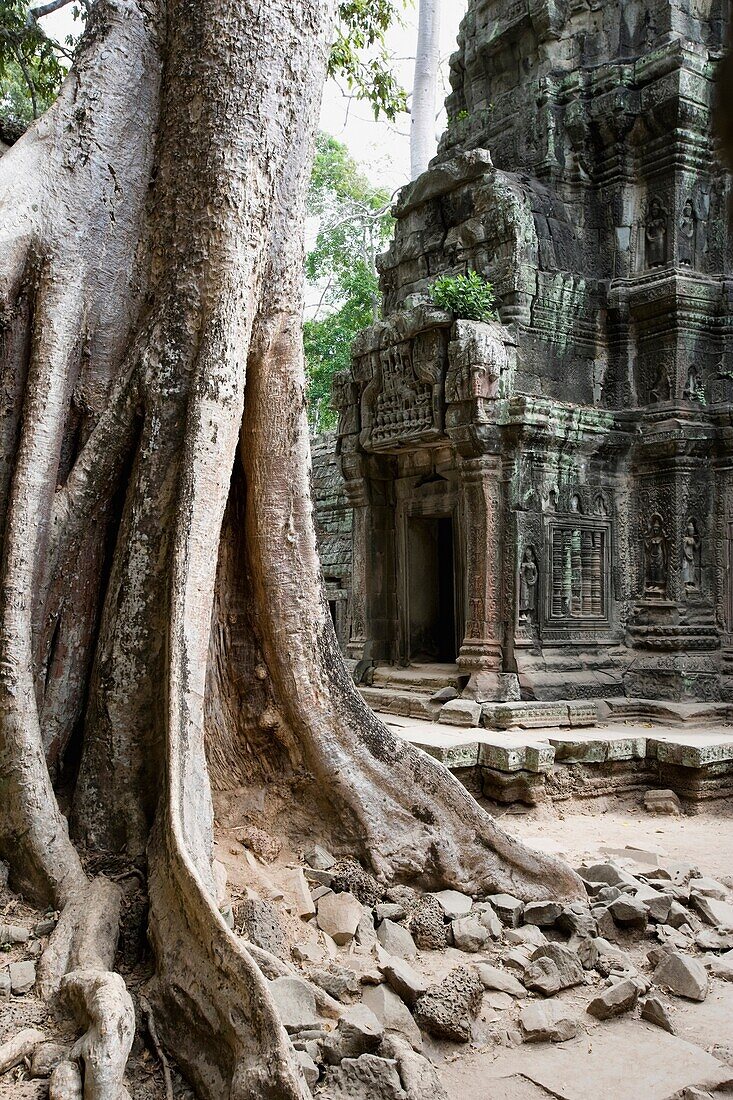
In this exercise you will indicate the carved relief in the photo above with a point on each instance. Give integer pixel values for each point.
(687, 227)
(655, 235)
(691, 548)
(656, 559)
(578, 576)
(529, 575)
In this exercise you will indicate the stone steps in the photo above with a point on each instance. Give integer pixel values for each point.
(409, 704)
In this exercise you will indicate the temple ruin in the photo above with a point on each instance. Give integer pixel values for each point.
(543, 506)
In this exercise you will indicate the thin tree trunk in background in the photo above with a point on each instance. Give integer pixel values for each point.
(425, 88)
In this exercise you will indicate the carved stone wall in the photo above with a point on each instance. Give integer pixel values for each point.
(586, 436)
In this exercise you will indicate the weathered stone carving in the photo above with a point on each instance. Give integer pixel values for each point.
(655, 558)
(559, 436)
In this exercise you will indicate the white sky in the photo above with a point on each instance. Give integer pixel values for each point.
(383, 149)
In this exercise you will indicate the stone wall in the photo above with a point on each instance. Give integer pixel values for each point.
(582, 444)
(333, 529)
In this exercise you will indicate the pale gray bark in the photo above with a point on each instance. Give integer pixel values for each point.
(423, 142)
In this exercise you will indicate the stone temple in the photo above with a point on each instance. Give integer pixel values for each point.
(541, 508)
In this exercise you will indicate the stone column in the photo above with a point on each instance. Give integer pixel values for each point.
(358, 497)
(481, 652)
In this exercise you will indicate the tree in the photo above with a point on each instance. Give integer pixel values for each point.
(425, 87)
(160, 590)
(354, 226)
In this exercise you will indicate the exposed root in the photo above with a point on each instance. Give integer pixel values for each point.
(65, 1082)
(102, 1004)
(19, 1047)
(85, 936)
(153, 1032)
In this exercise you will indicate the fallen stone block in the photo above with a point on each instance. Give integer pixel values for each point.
(654, 1012)
(357, 1032)
(619, 998)
(365, 1078)
(453, 903)
(338, 981)
(552, 969)
(258, 921)
(392, 1013)
(683, 976)
(448, 1009)
(319, 858)
(717, 913)
(22, 977)
(404, 980)
(629, 913)
(13, 933)
(576, 919)
(427, 924)
(396, 940)
(547, 1022)
(46, 1056)
(526, 933)
(460, 712)
(662, 802)
(309, 1068)
(542, 913)
(297, 893)
(508, 909)
(489, 919)
(469, 934)
(492, 977)
(338, 916)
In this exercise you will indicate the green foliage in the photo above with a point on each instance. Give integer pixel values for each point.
(359, 54)
(354, 226)
(31, 66)
(470, 297)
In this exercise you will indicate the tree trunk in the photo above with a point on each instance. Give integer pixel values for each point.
(425, 88)
(161, 593)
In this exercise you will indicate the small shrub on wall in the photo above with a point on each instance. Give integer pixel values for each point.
(470, 297)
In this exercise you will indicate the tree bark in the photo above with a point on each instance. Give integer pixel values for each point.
(425, 88)
(161, 591)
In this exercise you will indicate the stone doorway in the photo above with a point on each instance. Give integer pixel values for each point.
(432, 628)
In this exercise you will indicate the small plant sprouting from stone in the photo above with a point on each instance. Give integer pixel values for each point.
(470, 296)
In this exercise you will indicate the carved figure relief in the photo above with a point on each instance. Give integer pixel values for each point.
(687, 234)
(529, 575)
(656, 235)
(691, 547)
(661, 385)
(601, 508)
(693, 386)
(656, 558)
(403, 404)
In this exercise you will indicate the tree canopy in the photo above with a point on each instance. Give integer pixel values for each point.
(354, 226)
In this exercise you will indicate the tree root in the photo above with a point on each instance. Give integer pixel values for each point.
(147, 1011)
(19, 1047)
(65, 1082)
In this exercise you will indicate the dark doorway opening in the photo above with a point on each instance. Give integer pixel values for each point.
(431, 589)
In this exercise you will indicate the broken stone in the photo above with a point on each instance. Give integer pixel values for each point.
(259, 922)
(492, 977)
(295, 1002)
(357, 1032)
(308, 952)
(683, 976)
(338, 916)
(577, 920)
(607, 895)
(614, 1001)
(469, 934)
(628, 912)
(427, 924)
(366, 933)
(308, 1066)
(318, 892)
(508, 909)
(552, 969)
(393, 1014)
(654, 1012)
(719, 968)
(542, 913)
(403, 979)
(448, 1009)
(365, 1078)
(490, 921)
(267, 848)
(714, 912)
(22, 977)
(518, 958)
(4, 985)
(709, 888)
(44, 927)
(608, 873)
(350, 877)
(318, 878)
(396, 940)
(338, 981)
(444, 695)
(320, 859)
(547, 1022)
(453, 903)
(526, 933)
(297, 893)
(389, 910)
(709, 940)
(418, 1076)
(662, 802)
(13, 933)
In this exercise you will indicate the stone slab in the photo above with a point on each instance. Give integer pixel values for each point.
(623, 1061)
